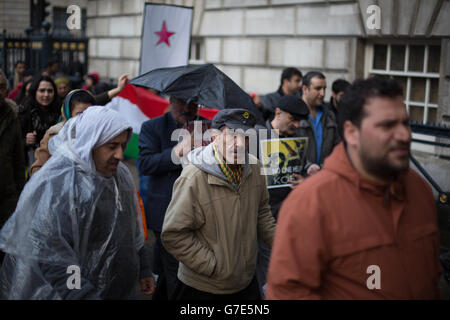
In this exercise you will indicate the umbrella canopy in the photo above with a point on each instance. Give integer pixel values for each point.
(201, 84)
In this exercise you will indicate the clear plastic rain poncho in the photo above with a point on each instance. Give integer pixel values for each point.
(69, 217)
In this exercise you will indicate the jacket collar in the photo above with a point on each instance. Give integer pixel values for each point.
(280, 91)
(203, 158)
(7, 115)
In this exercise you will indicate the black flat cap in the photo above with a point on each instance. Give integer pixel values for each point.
(293, 105)
(234, 119)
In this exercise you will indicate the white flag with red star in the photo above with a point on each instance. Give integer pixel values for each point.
(166, 36)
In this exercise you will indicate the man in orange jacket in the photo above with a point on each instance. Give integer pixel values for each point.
(365, 226)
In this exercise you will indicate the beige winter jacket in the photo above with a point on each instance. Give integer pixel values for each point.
(212, 228)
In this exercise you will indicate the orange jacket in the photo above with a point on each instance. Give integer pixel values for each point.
(335, 227)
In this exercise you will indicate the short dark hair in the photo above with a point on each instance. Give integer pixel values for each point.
(351, 106)
(288, 73)
(81, 96)
(339, 85)
(312, 74)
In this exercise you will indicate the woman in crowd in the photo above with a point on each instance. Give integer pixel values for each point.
(40, 112)
(75, 103)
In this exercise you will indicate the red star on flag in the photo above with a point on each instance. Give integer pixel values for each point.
(164, 34)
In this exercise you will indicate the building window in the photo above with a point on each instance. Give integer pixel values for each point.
(416, 68)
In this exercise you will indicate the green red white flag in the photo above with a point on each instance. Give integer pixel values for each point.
(137, 105)
(166, 36)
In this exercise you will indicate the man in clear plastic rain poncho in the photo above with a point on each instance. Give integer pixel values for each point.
(76, 232)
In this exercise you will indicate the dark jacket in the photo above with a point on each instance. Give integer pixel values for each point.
(269, 103)
(330, 137)
(12, 159)
(155, 160)
(276, 195)
(330, 106)
(32, 118)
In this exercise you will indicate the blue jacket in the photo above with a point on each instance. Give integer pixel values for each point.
(155, 161)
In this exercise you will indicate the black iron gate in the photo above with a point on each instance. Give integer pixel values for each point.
(35, 50)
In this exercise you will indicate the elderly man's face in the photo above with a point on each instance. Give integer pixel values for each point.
(108, 156)
(287, 124)
(2, 89)
(232, 145)
(181, 111)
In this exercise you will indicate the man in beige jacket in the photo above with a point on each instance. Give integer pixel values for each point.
(219, 209)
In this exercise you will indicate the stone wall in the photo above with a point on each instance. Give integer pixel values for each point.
(14, 15)
(114, 31)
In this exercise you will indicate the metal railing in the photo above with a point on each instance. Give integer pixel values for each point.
(35, 50)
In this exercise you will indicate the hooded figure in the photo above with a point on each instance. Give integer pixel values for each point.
(75, 234)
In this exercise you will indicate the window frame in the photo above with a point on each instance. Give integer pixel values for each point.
(428, 76)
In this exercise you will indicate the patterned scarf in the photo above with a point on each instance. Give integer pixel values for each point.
(234, 176)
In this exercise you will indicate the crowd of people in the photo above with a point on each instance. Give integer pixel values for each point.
(353, 205)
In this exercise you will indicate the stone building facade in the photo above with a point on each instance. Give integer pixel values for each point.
(253, 40)
(14, 15)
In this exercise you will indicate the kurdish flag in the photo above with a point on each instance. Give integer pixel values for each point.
(137, 105)
(166, 36)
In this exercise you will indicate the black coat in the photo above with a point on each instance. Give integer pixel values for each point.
(155, 161)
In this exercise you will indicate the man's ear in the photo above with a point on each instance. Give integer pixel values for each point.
(351, 133)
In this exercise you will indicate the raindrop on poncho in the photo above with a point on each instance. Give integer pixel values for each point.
(70, 215)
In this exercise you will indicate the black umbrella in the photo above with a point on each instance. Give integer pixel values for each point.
(201, 84)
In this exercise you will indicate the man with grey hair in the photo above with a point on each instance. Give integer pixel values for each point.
(219, 209)
(12, 158)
